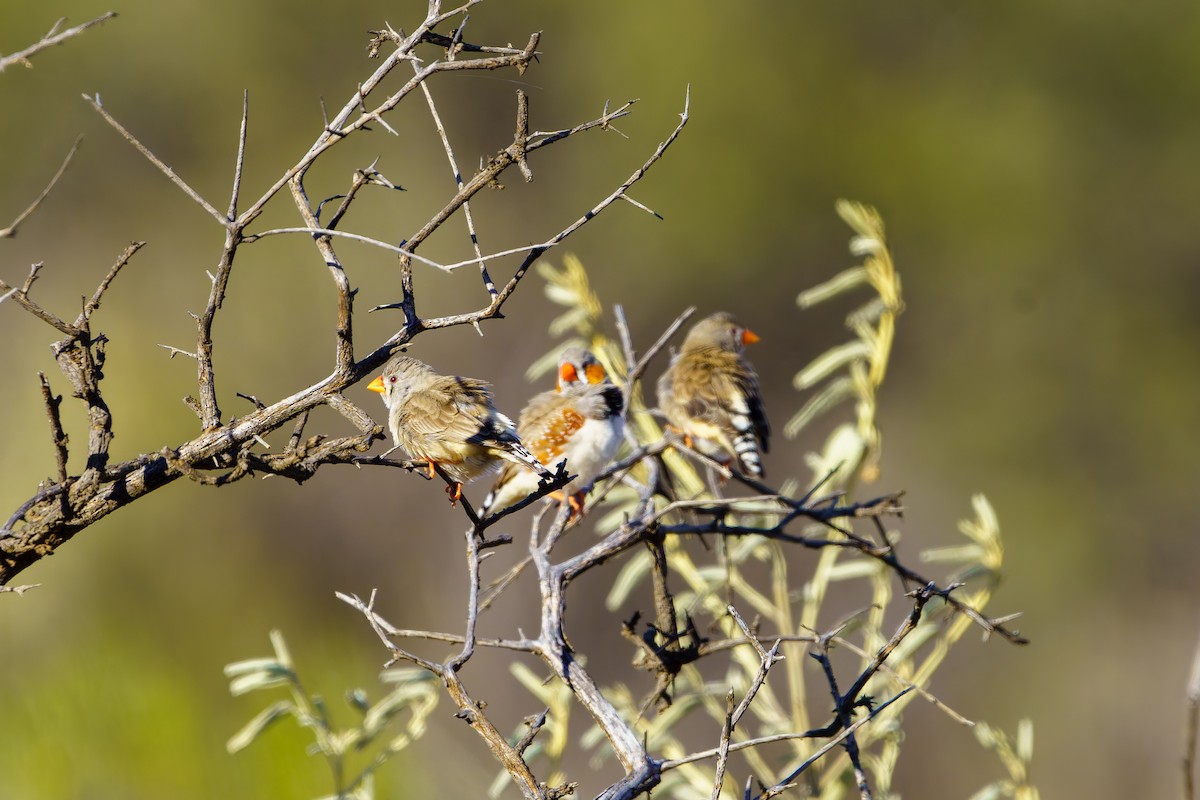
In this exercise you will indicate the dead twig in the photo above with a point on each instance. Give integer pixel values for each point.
(53, 37)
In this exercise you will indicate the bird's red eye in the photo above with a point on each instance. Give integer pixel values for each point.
(392, 379)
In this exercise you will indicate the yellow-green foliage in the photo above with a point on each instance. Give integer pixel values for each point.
(353, 753)
(789, 604)
(787, 596)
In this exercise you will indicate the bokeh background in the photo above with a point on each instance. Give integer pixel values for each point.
(1036, 166)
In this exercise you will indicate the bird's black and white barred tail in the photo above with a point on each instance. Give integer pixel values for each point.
(517, 453)
(748, 437)
(504, 439)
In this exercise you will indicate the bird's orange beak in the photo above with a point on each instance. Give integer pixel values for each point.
(595, 373)
(749, 336)
(377, 385)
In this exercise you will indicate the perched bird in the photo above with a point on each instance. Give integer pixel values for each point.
(710, 394)
(579, 420)
(449, 421)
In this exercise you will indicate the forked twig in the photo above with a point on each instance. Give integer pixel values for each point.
(52, 38)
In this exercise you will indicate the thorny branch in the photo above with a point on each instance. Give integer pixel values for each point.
(226, 451)
(666, 646)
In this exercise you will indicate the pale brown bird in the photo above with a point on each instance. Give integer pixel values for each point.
(579, 420)
(710, 394)
(449, 421)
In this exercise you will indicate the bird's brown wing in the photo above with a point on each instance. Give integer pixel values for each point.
(448, 419)
(719, 391)
(706, 386)
(547, 423)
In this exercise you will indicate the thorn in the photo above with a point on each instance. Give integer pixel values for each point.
(631, 201)
(175, 351)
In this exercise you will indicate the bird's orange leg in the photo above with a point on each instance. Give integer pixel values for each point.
(574, 500)
(687, 439)
(453, 489)
(576, 503)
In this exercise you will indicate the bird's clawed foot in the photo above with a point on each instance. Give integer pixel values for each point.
(684, 437)
(574, 500)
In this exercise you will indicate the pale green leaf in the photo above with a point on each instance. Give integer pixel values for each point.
(985, 734)
(844, 281)
(865, 221)
(253, 665)
(419, 698)
(835, 392)
(258, 724)
(993, 791)
(858, 568)
(1025, 740)
(357, 698)
(987, 524)
(406, 675)
(829, 362)
(281, 649)
(633, 573)
(844, 451)
(259, 680)
(970, 553)
(866, 315)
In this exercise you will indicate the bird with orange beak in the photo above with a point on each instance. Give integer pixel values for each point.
(710, 394)
(449, 421)
(579, 420)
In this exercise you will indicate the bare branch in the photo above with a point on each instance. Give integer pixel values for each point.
(768, 659)
(458, 180)
(469, 710)
(52, 38)
(58, 436)
(635, 374)
(155, 160)
(11, 230)
(534, 724)
(21, 297)
(674, 763)
(723, 748)
(90, 307)
(241, 156)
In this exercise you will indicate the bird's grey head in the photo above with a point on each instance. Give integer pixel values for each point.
(578, 369)
(398, 378)
(720, 330)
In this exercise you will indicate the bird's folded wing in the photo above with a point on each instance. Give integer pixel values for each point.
(547, 423)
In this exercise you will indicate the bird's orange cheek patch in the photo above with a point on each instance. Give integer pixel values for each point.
(595, 373)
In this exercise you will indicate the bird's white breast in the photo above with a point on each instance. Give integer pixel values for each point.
(592, 447)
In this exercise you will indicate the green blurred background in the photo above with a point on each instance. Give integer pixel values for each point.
(1035, 164)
